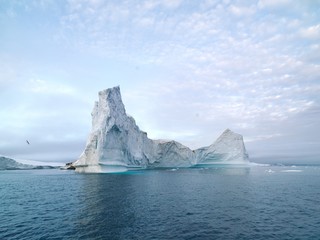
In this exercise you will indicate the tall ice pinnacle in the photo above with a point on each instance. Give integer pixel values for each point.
(117, 144)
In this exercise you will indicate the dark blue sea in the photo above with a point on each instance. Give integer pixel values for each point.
(279, 202)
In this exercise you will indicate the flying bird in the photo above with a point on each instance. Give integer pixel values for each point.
(27, 141)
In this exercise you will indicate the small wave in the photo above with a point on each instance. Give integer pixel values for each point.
(173, 169)
(291, 171)
(269, 171)
(259, 164)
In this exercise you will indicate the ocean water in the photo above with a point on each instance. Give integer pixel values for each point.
(218, 203)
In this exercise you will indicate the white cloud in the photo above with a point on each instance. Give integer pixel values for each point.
(145, 22)
(262, 137)
(242, 11)
(46, 87)
(95, 3)
(171, 3)
(273, 3)
(152, 4)
(312, 32)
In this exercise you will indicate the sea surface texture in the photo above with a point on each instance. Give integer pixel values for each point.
(217, 203)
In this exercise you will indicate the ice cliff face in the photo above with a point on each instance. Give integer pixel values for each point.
(116, 143)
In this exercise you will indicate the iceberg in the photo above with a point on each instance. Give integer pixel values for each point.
(11, 164)
(117, 144)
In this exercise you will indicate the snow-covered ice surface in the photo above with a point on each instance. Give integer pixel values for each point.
(117, 144)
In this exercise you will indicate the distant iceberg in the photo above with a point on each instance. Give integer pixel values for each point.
(117, 144)
(11, 164)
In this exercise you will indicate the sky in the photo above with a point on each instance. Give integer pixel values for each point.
(187, 70)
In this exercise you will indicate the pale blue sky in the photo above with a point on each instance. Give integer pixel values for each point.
(187, 71)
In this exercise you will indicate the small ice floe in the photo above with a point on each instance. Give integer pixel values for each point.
(202, 169)
(291, 171)
(258, 164)
(269, 171)
(173, 169)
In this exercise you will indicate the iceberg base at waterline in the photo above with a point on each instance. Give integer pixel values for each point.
(116, 144)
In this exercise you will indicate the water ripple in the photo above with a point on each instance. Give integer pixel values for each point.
(184, 204)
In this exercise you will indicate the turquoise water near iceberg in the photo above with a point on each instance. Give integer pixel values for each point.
(214, 203)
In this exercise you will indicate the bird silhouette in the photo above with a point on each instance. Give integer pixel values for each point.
(27, 141)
